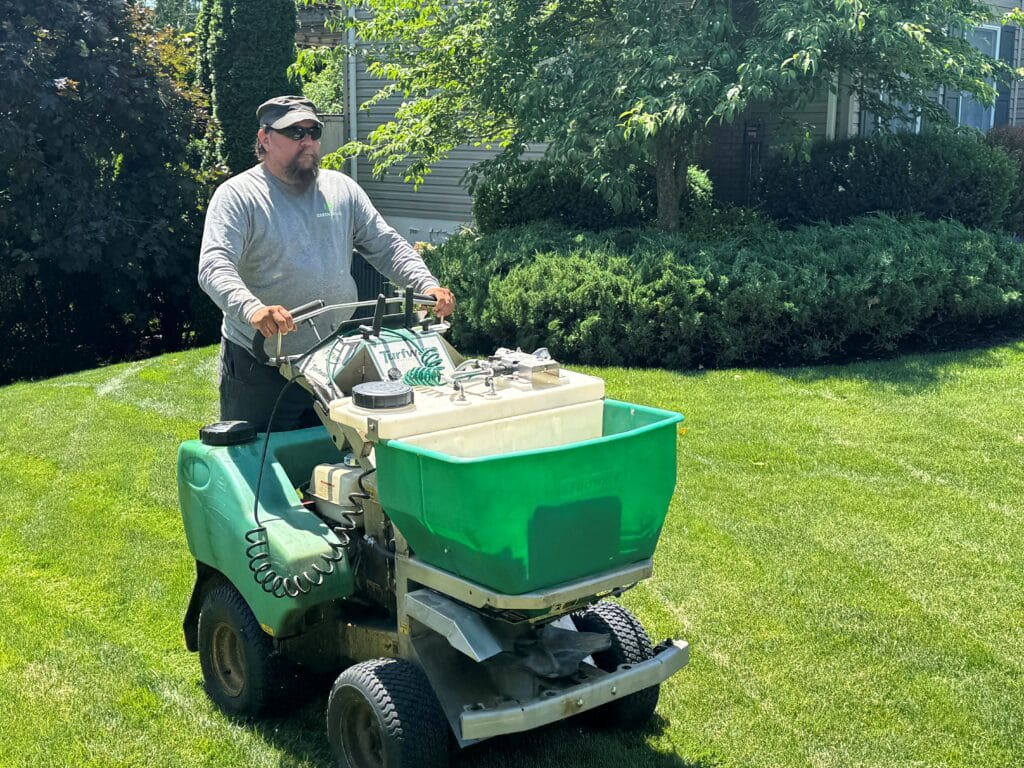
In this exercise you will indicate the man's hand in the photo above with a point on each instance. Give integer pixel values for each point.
(271, 320)
(445, 301)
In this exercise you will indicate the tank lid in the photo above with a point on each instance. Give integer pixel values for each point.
(227, 433)
(382, 394)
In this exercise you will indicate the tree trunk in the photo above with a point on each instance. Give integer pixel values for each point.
(671, 162)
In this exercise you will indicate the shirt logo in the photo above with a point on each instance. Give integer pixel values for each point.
(328, 211)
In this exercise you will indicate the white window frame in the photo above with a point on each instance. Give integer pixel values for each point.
(990, 111)
(912, 125)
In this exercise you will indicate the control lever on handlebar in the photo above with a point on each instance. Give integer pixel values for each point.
(378, 314)
(298, 315)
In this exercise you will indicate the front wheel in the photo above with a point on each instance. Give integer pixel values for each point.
(241, 671)
(630, 645)
(384, 714)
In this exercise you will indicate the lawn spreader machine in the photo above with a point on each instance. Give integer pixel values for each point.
(446, 544)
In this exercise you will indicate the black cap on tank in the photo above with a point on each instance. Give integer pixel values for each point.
(382, 394)
(227, 433)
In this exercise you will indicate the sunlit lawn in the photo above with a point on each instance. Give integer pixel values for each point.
(845, 555)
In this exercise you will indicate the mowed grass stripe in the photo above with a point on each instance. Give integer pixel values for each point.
(844, 554)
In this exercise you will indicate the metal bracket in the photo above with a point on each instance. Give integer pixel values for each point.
(555, 703)
(463, 628)
(555, 597)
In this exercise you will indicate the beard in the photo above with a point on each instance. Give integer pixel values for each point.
(303, 168)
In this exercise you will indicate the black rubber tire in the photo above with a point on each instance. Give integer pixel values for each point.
(384, 714)
(242, 673)
(630, 645)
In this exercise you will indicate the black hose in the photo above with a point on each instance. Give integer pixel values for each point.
(258, 549)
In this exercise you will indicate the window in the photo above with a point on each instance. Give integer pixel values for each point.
(991, 39)
(871, 124)
(969, 111)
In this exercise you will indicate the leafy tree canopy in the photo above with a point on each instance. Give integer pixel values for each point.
(613, 84)
(321, 71)
(97, 204)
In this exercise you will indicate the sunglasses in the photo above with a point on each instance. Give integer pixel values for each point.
(298, 133)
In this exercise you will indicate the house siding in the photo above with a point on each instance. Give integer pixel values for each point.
(735, 151)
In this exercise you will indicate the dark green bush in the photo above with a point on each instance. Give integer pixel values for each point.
(244, 50)
(934, 175)
(648, 298)
(528, 192)
(99, 219)
(1010, 139)
(537, 191)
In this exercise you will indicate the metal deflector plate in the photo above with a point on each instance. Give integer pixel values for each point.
(463, 628)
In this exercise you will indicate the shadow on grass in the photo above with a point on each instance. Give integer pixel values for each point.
(302, 736)
(910, 374)
(575, 743)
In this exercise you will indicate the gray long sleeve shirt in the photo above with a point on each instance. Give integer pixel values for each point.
(264, 244)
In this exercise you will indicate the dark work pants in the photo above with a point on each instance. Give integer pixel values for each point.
(249, 389)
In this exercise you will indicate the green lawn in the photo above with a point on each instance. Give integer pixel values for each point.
(844, 554)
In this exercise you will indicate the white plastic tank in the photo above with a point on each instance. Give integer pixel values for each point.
(331, 487)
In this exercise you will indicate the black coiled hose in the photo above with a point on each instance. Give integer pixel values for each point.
(302, 583)
(258, 549)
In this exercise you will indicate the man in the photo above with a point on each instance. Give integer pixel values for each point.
(282, 234)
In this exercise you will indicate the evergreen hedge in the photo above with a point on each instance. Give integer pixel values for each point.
(1010, 139)
(99, 220)
(936, 175)
(757, 296)
(244, 49)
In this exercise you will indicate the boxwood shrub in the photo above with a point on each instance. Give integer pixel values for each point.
(533, 191)
(936, 175)
(1010, 139)
(755, 296)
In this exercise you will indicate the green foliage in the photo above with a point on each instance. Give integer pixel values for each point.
(939, 175)
(179, 14)
(512, 194)
(321, 72)
(1010, 139)
(619, 84)
(98, 208)
(244, 51)
(726, 296)
(540, 191)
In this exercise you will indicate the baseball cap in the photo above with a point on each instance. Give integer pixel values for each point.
(282, 111)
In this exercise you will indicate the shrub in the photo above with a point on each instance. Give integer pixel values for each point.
(538, 191)
(649, 298)
(1010, 139)
(534, 191)
(935, 175)
(244, 51)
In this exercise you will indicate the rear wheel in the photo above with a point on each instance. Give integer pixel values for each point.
(630, 645)
(242, 673)
(384, 714)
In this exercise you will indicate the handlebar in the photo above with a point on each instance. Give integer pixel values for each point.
(298, 314)
(306, 312)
